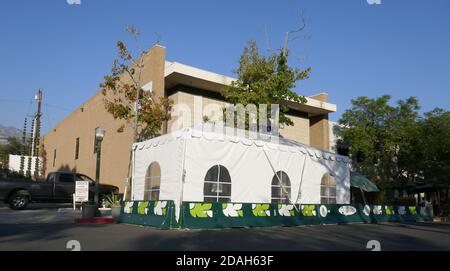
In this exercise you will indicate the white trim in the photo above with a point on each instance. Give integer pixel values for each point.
(175, 67)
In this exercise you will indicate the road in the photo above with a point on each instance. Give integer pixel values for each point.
(54, 235)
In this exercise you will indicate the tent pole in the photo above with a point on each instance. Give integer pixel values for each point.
(364, 198)
(279, 180)
(301, 179)
(182, 179)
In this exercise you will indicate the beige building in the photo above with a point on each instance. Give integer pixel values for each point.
(70, 144)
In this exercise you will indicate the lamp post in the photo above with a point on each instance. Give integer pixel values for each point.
(99, 135)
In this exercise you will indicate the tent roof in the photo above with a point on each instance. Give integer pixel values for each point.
(360, 181)
(233, 135)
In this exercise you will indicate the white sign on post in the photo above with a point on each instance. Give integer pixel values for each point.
(81, 191)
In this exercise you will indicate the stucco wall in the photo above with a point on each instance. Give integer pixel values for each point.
(299, 132)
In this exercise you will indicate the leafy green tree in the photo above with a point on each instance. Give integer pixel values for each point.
(265, 80)
(433, 148)
(382, 137)
(123, 96)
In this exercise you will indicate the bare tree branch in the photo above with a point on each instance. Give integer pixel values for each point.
(301, 16)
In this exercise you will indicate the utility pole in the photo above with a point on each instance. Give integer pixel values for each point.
(24, 150)
(37, 135)
(30, 150)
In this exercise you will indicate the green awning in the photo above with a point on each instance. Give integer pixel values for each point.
(360, 181)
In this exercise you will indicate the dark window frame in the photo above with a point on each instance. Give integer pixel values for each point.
(328, 191)
(54, 157)
(77, 148)
(217, 184)
(152, 185)
(281, 196)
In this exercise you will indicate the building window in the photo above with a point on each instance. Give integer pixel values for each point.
(54, 157)
(217, 187)
(281, 188)
(152, 182)
(328, 189)
(77, 148)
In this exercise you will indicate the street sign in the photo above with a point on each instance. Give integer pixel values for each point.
(81, 191)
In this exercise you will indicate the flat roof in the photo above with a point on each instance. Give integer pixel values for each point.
(177, 73)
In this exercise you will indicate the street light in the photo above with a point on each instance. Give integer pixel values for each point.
(99, 135)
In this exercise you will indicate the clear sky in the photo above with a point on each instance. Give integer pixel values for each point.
(399, 47)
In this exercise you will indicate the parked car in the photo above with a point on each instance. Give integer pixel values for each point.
(58, 187)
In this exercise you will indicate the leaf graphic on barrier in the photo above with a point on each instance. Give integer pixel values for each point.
(402, 210)
(201, 210)
(143, 208)
(261, 210)
(366, 210)
(160, 208)
(347, 210)
(308, 210)
(323, 210)
(377, 210)
(232, 210)
(413, 210)
(286, 209)
(128, 208)
(389, 210)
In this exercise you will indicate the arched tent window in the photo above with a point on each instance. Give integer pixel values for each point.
(217, 187)
(281, 188)
(328, 189)
(152, 182)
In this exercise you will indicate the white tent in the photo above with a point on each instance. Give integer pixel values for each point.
(178, 163)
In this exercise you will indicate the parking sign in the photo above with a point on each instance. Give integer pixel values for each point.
(81, 191)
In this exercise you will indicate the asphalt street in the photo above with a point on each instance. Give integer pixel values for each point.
(54, 235)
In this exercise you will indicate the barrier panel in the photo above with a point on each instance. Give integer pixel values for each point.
(207, 215)
(229, 215)
(343, 214)
(159, 214)
(201, 215)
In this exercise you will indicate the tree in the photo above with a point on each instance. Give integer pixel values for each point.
(265, 80)
(382, 138)
(128, 101)
(433, 146)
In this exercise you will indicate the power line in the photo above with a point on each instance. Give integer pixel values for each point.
(31, 102)
(14, 101)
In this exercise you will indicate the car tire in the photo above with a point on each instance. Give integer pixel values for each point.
(18, 201)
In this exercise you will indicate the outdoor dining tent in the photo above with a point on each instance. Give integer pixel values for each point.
(230, 165)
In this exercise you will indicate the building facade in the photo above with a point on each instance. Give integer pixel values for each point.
(70, 144)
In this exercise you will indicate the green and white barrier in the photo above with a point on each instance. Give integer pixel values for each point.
(207, 215)
(159, 214)
(226, 215)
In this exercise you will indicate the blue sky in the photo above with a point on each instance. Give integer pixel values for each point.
(400, 47)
